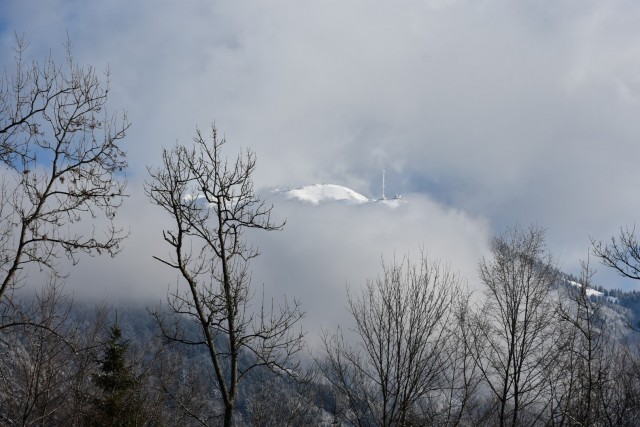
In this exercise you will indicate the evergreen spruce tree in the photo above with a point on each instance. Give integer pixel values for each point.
(118, 403)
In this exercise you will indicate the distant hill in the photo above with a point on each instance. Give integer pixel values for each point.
(318, 194)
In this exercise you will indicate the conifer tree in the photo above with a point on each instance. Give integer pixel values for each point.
(119, 402)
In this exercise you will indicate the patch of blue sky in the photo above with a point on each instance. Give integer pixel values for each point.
(4, 20)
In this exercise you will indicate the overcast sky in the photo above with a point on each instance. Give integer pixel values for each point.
(484, 113)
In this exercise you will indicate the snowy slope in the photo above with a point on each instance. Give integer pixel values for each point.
(315, 194)
(320, 193)
(590, 292)
(593, 292)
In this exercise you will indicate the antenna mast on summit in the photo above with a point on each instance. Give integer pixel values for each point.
(383, 196)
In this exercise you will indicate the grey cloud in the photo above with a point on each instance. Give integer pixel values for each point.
(504, 110)
(320, 251)
(327, 247)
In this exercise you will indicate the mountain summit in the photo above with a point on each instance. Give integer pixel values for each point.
(324, 193)
(320, 193)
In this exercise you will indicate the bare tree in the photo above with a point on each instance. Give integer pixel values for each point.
(620, 399)
(276, 400)
(461, 393)
(61, 163)
(621, 253)
(513, 333)
(46, 359)
(212, 204)
(598, 371)
(586, 367)
(398, 367)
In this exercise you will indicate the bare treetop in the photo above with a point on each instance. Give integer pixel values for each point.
(61, 163)
(215, 198)
(211, 203)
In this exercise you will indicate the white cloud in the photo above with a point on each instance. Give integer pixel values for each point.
(323, 248)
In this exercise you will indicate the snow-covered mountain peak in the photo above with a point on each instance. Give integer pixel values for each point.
(320, 193)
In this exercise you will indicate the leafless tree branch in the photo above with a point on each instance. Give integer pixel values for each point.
(211, 202)
(61, 162)
(402, 353)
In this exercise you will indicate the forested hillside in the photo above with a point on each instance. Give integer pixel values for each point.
(81, 363)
